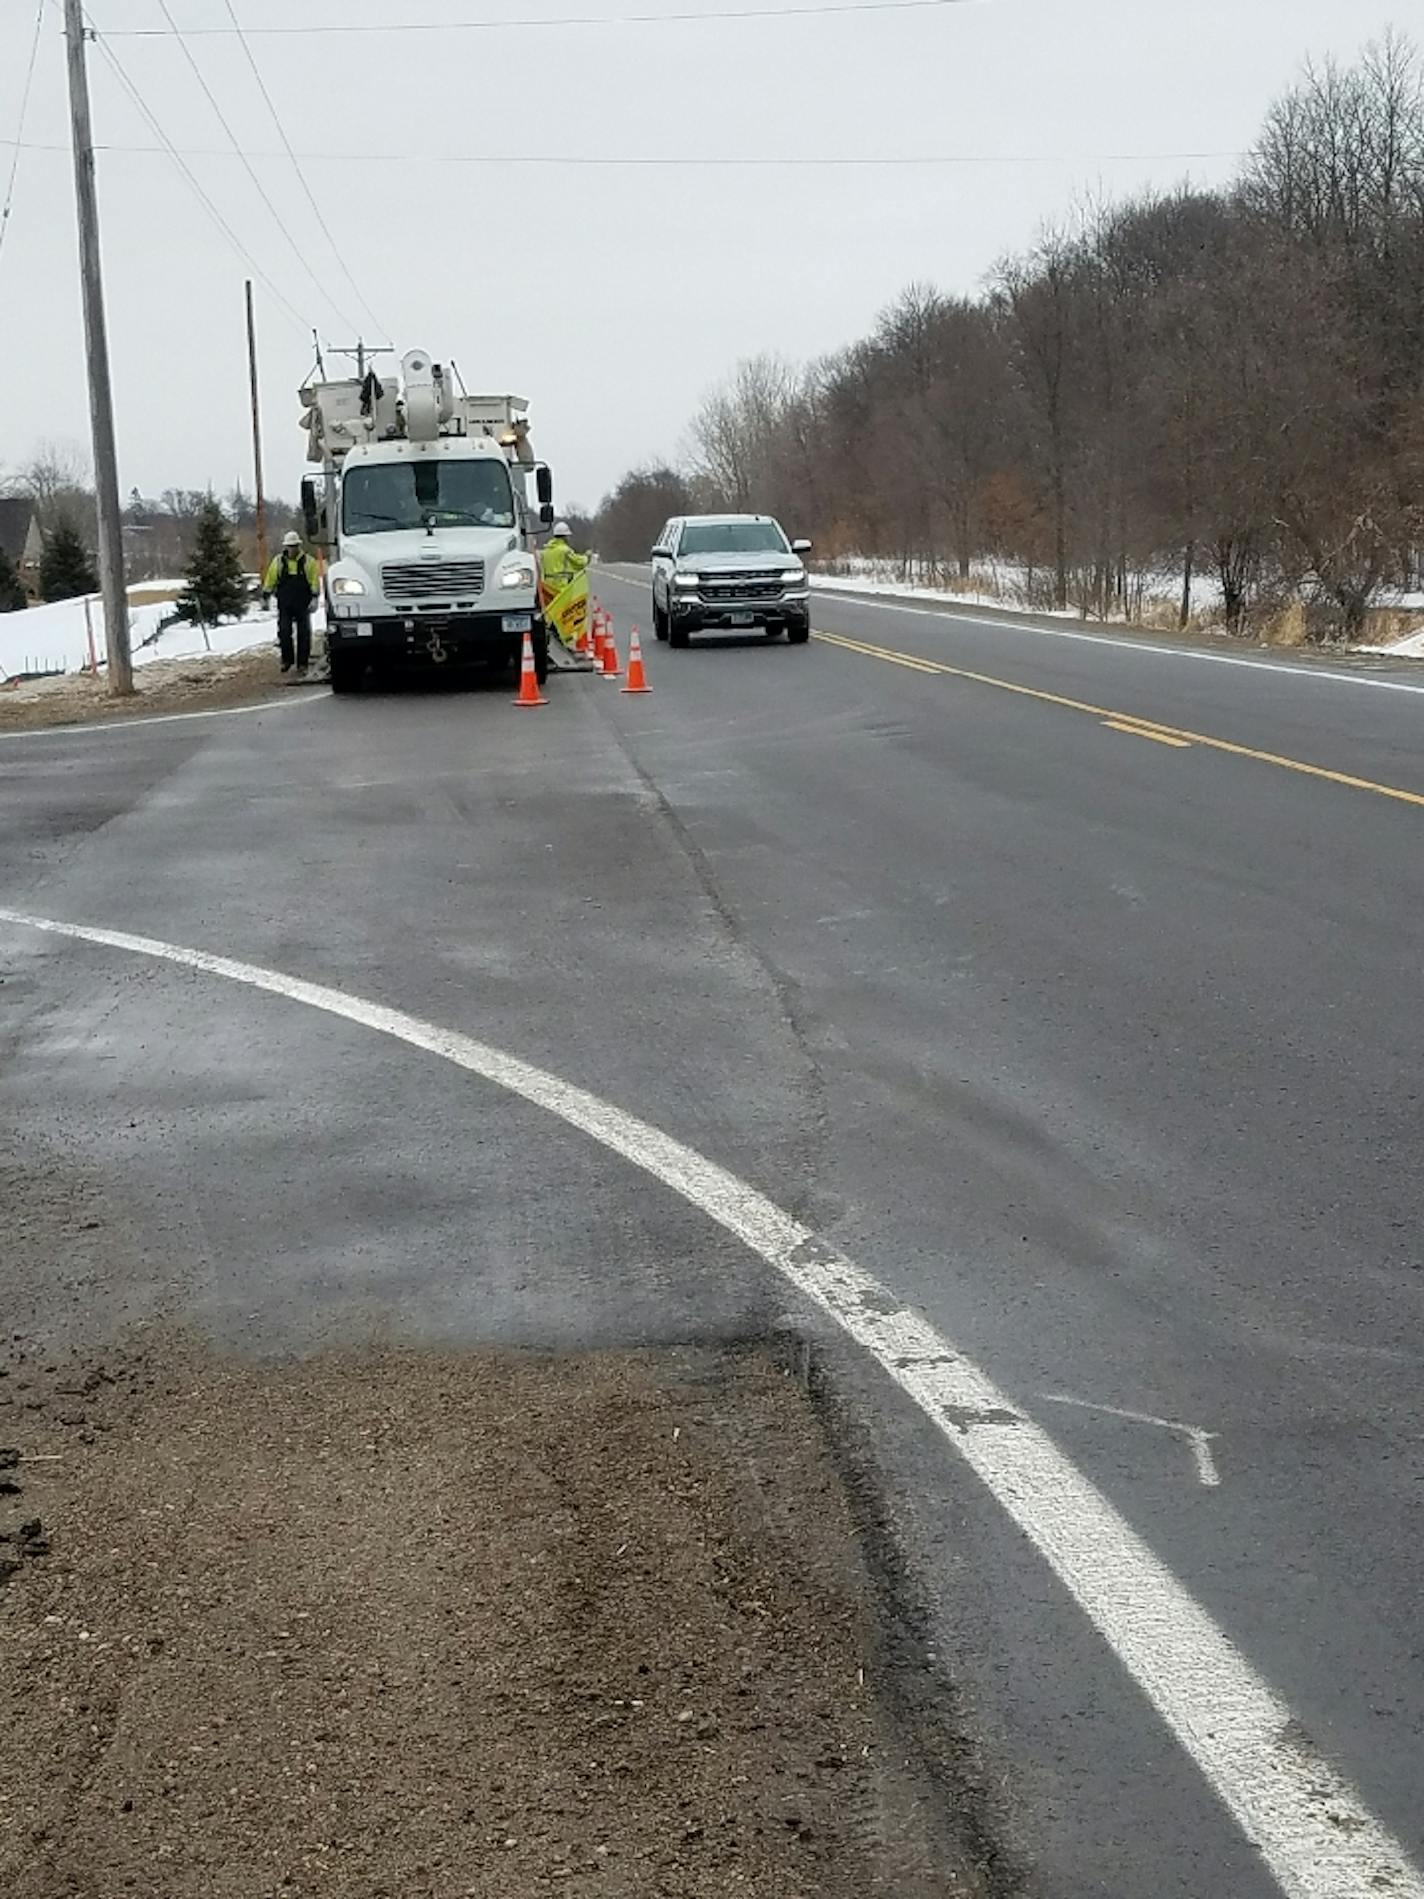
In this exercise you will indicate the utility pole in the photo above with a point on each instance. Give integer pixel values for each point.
(256, 436)
(101, 401)
(360, 352)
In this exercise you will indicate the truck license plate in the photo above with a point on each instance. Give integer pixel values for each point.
(743, 619)
(518, 623)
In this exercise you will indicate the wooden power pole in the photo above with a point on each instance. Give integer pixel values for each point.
(96, 338)
(256, 437)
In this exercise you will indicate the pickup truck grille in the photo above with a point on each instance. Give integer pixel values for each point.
(447, 580)
(760, 586)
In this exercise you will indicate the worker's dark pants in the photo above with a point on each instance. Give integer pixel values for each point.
(294, 619)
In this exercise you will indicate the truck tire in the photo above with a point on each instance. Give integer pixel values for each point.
(660, 627)
(541, 652)
(798, 635)
(345, 672)
(678, 635)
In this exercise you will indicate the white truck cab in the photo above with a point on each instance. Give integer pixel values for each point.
(424, 513)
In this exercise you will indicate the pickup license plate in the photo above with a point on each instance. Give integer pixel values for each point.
(518, 623)
(742, 619)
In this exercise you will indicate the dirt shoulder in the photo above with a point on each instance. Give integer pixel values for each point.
(167, 685)
(440, 1625)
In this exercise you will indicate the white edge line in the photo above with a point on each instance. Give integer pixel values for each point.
(138, 721)
(881, 605)
(1309, 1825)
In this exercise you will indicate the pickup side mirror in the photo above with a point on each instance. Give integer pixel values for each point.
(544, 488)
(311, 518)
(800, 547)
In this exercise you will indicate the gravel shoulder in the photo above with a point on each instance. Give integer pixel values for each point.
(392, 1623)
(168, 685)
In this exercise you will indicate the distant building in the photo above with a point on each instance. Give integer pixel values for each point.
(21, 539)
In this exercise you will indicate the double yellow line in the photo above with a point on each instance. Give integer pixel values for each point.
(1126, 722)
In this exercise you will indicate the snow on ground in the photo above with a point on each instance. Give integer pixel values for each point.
(1410, 647)
(907, 590)
(54, 638)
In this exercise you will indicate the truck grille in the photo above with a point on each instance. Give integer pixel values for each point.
(760, 586)
(433, 580)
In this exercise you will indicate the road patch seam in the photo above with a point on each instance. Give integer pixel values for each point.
(1310, 1826)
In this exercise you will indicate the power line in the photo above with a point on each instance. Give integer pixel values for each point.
(817, 10)
(247, 164)
(170, 150)
(684, 160)
(8, 206)
(336, 250)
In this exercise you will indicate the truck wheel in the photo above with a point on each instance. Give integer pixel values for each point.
(798, 635)
(541, 653)
(660, 627)
(345, 672)
(679, 634)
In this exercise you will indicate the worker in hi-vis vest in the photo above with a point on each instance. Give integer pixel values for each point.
(294, 579)
(559, 563)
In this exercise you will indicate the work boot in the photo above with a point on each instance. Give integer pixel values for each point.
(286, 665)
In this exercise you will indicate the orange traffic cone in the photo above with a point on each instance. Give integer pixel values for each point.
(529, 693)
(598, 641)
(637, 677)
(611, 669)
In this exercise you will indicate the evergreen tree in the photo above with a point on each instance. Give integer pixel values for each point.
(12, 594)
(65, 567)
(216, 589)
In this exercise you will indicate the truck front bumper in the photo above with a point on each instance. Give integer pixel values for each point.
(435, 639)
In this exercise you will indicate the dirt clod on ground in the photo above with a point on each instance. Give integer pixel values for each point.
(167, 685)
(403, 1624)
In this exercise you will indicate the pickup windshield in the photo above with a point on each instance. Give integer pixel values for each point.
(733, 537)
(442, 492)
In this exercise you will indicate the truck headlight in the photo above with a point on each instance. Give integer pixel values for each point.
(687, 580)
(345, 584)
(517, 577)
(794, 577)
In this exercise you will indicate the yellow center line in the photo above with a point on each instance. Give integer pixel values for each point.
(1146, 731)
(1144, 728)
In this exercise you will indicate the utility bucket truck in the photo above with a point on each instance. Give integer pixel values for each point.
(424, 511)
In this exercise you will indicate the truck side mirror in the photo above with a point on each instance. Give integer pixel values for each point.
(546, 515)
(800, 547)
(311, 518)
(544, 486)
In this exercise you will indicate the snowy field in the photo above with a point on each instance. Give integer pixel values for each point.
(1004, 586)
(54, 639)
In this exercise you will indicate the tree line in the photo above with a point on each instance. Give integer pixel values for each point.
(1196, 386)
(162, 533)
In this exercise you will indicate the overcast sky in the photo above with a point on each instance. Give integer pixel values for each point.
(610, 296)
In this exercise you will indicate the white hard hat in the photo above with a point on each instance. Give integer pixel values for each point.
(562, 528)
(291, 538)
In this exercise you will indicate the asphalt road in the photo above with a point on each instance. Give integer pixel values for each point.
(1037, 973)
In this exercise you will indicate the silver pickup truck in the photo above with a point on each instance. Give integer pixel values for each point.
(729, 571)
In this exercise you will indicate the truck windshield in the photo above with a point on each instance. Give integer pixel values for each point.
(733, 537)
(442, 492)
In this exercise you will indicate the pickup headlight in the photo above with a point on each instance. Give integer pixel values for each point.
(794, 577)
(345, 584)
(687, 580)
(517, 577)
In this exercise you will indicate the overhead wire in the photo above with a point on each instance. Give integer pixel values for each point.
(316, 210)
(170, 150)
(9, 203)
(817, 9)
(247, 164)
(753, 161)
